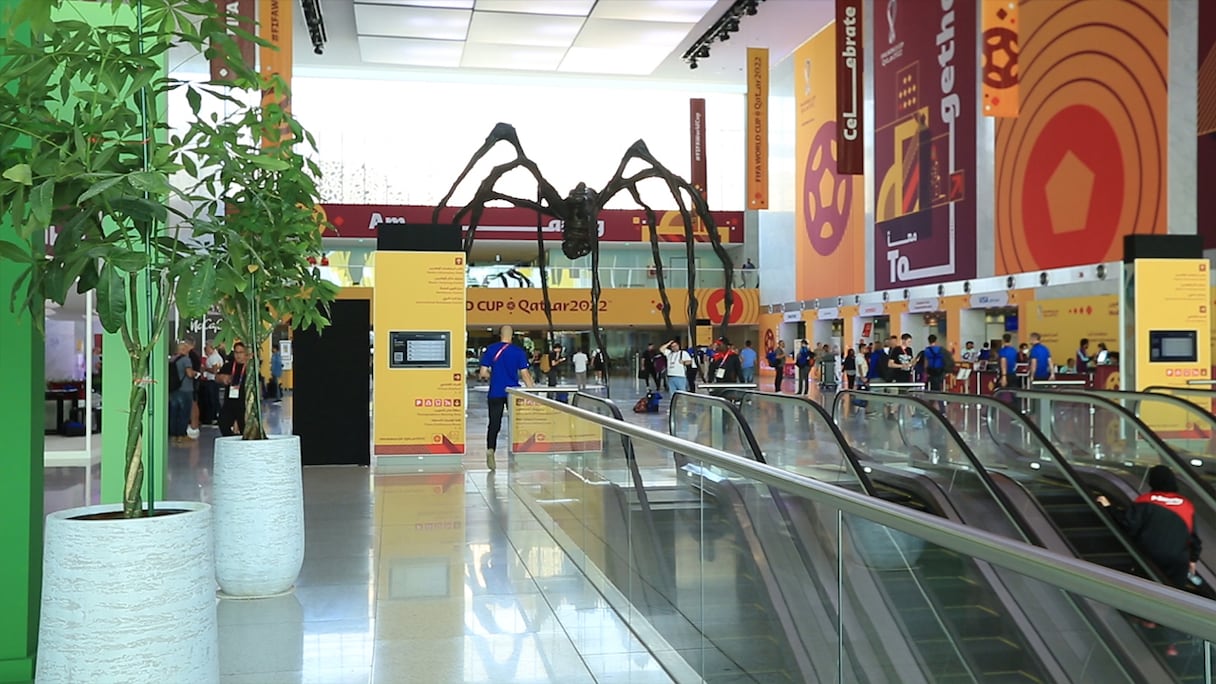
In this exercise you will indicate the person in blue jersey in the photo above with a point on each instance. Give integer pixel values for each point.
(504, 365)
(1008, 355)
(1041, 367)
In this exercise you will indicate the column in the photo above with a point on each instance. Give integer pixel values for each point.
(21, 395)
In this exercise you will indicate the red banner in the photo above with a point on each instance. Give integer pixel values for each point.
(239, 13)
(696, 131)
(850, 146)
(515, 224)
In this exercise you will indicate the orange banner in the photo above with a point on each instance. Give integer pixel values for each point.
(1084, 164)
(829, 214)
(275, 26)
(1000, 64)
(757, 128)
(619, 307)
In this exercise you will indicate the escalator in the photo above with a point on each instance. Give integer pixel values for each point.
(962, 624)
(921, 475)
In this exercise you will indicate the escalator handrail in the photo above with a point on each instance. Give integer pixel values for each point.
(1181, 470)
(994, 491)
(720, 403)
(826, 419)
(1179, 610)
(1070, 473)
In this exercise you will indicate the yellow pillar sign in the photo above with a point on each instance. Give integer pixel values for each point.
(1173, 322)
(419, 323)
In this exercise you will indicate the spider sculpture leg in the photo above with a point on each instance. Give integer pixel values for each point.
(676, 184)
(658, 260)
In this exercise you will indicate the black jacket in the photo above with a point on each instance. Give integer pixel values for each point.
(1162, 524)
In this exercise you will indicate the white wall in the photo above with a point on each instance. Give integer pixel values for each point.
(405, 142)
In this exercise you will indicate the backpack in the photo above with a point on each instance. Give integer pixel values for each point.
(175, 380)
(933, 359)
(771, 357)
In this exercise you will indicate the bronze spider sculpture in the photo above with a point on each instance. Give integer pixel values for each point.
(579, 214)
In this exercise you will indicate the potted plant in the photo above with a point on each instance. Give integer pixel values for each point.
(259, 212)
(85, 163)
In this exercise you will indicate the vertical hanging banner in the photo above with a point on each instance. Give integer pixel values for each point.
(924, 142)
(275, 26)
(999, 23)
(696, 132)
(850, 145)
(829, 240)
(239, 14)
(757, 128)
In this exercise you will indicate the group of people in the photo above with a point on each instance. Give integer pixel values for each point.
(674, 368)
(895, 361)
(209, 389)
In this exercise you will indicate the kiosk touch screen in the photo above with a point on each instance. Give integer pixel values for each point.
(420, 349)
(1173, 346)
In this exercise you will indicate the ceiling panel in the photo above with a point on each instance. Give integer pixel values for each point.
(573, 8)
(524, 29)
(676, 11)
(489, 56)
(628, 35)
(636, 62)
(442, 4)
(411, 51)
(412, 22)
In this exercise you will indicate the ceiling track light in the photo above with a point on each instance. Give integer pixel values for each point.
(316, 24)
(726, 24)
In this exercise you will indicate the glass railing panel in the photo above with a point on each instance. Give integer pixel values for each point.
(764, 577)
(795, 435)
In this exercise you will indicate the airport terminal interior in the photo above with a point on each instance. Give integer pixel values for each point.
(608, 341)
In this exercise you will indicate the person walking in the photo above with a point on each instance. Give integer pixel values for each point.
(803, 362)
(1041, 367)
(779, 359)
(747, 360)
(580, 361)
(678, 362)
(504, 365)
(181, 393)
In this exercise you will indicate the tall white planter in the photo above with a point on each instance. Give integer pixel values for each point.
(258, 498)
(128, 600)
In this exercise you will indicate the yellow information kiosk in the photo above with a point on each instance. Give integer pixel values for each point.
(419, 326)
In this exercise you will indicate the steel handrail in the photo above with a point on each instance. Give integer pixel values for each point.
(1191, 614)
(1182, 469)
(1070, 473)
(851, 456)
(718, 402)
(995, 492)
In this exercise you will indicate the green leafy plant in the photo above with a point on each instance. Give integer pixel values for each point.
(259, 210)
(85, 168)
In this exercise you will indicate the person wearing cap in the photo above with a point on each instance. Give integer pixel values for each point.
(1161, 522)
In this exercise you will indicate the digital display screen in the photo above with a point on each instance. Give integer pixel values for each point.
(1173, 346)
(419, 349)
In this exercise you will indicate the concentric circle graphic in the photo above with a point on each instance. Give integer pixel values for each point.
(826, 196)
(1085, 162)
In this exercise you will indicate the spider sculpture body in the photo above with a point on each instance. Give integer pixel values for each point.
(579, 213)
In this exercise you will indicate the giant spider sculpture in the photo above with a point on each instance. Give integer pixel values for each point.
(579, 213)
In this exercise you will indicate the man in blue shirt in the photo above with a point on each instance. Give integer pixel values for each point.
(747, 358)
(1008, 355)
(505, 365)
(1041, 367)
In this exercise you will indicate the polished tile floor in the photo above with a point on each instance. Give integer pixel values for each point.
(420, 577)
